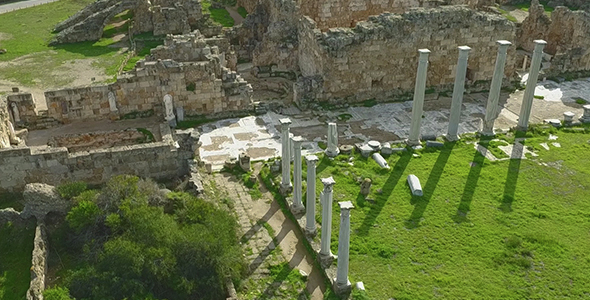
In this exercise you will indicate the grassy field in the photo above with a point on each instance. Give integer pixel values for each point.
(218, 15)
(15, 261)
(26, 33)
(511, 229)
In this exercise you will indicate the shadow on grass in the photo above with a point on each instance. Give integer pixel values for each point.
(420, 203)
(512, 175)
(471, 184)
(88, 48)
(388, 186)
(324, 163)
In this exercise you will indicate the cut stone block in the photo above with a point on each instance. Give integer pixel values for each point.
(380, 160)
(414, 184)
(434, 144)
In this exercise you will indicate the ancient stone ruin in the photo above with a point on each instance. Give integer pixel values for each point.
(159, 16)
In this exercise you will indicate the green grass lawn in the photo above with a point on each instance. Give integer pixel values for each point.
(218, 15)
(512, 229)
(242, 11)
(15, 261)
(26, 34)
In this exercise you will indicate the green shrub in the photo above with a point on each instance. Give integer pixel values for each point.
(57, 293)
(539, 97)
(71, 190)
(83, 215)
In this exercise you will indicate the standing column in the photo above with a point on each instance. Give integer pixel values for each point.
(418, 104)
(458, 91)
(285, 156)
(494, 95)
(341, 284)
(310, 228)
(332, 149)
(297, 205)
(529, 92)
(326, 256)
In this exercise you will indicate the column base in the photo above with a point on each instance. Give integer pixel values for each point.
(326, 260)
(451, 138)
(487, 132)
(286, 189)
(332, 153)
(297, 209)
(311, 232)
(413, 142)
(342, 289)
(522, 128)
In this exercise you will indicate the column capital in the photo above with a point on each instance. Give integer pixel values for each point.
(463, 49)
(346, 205)
(311, 159)
(540, 42)
(285, 122)
(297, 140)
(424, 55)
(328, 183)
(503, 43)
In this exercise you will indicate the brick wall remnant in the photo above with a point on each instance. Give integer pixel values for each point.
(377, 59)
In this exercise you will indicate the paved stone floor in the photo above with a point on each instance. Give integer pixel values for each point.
(260, 136)
(260, 243)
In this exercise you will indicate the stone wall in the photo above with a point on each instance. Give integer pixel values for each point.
(159, 16)
(199, 83)
(268, 36)
(22, 105)
(567, 34)
(346, 13)
(378, 58)
(159, 160)
(7, 134)
(39, 264)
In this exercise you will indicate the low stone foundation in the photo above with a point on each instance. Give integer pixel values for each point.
(99, 140)
(39, 264)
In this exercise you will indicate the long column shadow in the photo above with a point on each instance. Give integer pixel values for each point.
(388, 186)
(276, 240)
(471, 183)
(512, 177)
(256, 227)
(420, 203)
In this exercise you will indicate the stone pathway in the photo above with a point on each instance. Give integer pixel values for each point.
(233, 12)
(252, 214)
(386, 122)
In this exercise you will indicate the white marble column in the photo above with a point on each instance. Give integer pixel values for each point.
(310, 228)
(418, 103)
(529, 92)
(326, 198)
(297, 205)
(332, 149)
(494, 95)
(342, 285)
(285, 156)
(458, 90)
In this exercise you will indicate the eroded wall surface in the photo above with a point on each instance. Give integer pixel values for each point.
(378, 58)
(346, 13)
(54, 166)
(197, 80)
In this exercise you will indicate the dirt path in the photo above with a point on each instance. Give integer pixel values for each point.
(233, 12)
(253, 212)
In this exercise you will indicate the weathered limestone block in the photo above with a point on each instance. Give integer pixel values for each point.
(244, 161)
(40, 199)
(39, 264)
(366, 187)
(414, 184)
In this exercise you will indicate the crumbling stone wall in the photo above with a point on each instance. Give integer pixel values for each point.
(160, 16)
(159, 160)
(567, 34)
(268, 36)
(7, 135)
(25, 105)
(378, 58)
(568, 40)
(346, 13)
(200, 84)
